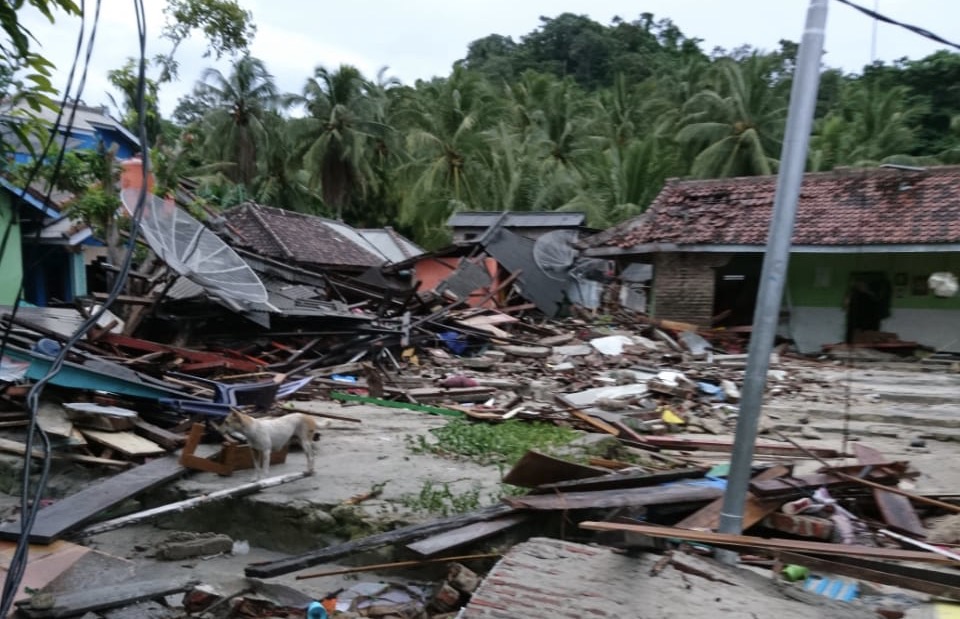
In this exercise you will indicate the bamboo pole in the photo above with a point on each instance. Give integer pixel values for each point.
(116, 523)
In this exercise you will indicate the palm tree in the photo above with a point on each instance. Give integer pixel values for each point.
(282, 181)
(559, 116)
(872, 124)
(339, 137)
(621, 182)
(235, 125)
(446, 122)
(734, 128)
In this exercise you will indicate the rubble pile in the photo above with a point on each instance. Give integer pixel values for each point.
(141, 399)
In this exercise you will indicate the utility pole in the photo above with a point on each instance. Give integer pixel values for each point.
(793, 157)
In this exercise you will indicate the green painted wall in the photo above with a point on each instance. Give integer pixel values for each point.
(821, 280)
(11, 262)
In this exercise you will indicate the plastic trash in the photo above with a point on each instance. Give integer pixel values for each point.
(611, 344)
(315, 610)
(240, 547)
(48, 347)
(943, 284)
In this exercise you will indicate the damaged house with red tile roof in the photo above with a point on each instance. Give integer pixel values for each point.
(865, 245)
(349, 259)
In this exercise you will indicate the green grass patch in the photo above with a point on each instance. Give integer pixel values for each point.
(492, 443)
(440, 499)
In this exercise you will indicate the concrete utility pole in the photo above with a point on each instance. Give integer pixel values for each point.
(803, 99)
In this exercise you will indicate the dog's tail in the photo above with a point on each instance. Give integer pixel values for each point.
(319, 423)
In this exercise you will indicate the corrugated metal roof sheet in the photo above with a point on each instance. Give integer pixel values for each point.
(393, 247)
(535, 219)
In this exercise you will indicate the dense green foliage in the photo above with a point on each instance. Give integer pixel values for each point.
(575, 115)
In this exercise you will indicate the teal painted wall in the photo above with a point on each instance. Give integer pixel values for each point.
(78, 274)
(821, 280)
(11, 262)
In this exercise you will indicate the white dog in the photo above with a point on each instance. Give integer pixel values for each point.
(269, 434)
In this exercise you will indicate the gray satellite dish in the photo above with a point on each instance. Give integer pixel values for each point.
(554, 253)
(194, 251)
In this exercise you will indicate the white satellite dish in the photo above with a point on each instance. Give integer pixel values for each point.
(194, 251)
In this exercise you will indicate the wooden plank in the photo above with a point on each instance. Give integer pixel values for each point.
(52, 419)
(628, 497)
(612, 481)
(760, 543)
(448, 540)
(127, 443)
(803, 485)
(723, 446)
(20, 448)
(44, 565)
(875, 571)
(594, 422)
(487, 319)
(536, 468)
(167, 439)
(66, 514)
(707, 518)
(92, 600)
(291, 564)
(897, 511)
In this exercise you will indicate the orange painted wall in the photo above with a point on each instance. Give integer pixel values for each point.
(431, 271)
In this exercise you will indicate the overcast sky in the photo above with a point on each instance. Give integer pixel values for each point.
(418, 39)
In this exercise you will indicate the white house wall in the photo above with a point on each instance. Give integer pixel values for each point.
(813, 327)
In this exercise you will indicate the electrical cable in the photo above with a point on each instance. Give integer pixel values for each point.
(29, 509)
(19, 561)
(889, 20)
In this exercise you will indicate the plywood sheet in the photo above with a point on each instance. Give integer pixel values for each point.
(127, 443)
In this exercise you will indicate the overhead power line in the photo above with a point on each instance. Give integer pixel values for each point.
(889, 20)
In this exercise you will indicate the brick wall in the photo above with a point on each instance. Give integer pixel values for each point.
(683, 286)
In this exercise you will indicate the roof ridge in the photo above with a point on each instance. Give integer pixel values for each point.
(254, 207)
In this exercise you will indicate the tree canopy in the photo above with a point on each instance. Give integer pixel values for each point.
(575, 115)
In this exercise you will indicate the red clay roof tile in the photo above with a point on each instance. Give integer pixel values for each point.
(875, 206)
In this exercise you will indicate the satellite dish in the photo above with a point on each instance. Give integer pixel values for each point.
(194, 251)
(555, 254)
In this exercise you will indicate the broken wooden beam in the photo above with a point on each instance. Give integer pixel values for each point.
(707, 518)
(20, 448)
(76, 509)
(633, 479)
(401, 535)
(535, 469)
(96, 599)
(770, 545)
(620, 497)
(791, 487)
(896, 509)
(468, 534)
(767, 449)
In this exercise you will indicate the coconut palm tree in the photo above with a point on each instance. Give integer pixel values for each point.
(235, 128)
(340, 136)
(735, 126)
(872, 124)
(446, 139)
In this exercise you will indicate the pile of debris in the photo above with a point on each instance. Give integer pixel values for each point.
(120, 399)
